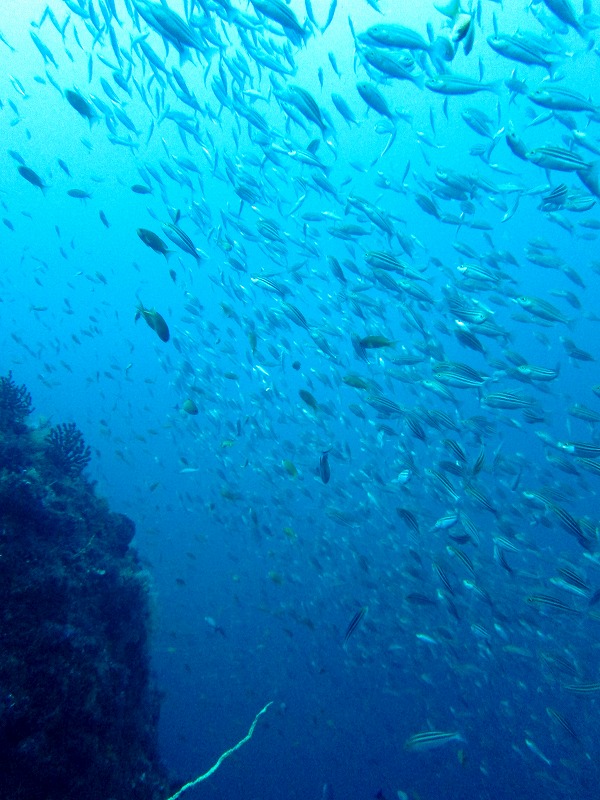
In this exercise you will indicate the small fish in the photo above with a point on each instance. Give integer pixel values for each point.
(32, 177)
(525, 49)
(429, 740)
(374, 99)
(375, 342)
(81, 105)
(333, 62)
(154, 242)
(327, 792)
(563, 722)
(394, 36)
(536, 751)
(190, 407)
(290, 467)
(582, 688)
(354, 623)
(460, 84)
(533, 373)
(155, 321)
(343, 108)
(562, 99)
(506, 400)
(541, 308)
(558, 158)
(214, 627)
(3, 40)
(356, 381)
(45, 51)
(17, 157)
(324, 468)
(183, 241)
(295, 315)
(565, 12)
(393, 66)
(309, 399)
(547, 601)
(269, 284)
(279, 12)
(329, 20)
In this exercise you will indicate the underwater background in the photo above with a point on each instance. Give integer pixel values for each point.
(318, 284)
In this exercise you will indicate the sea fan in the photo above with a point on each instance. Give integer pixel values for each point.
(66, 449)
(15, 405)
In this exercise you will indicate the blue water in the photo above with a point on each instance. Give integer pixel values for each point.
(233, 520)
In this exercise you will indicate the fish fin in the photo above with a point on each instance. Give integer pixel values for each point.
(419, 80)
(451, 9)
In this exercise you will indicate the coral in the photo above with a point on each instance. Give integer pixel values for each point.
(15, 405)
(66, 449)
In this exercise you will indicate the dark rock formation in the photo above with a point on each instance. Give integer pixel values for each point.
(78, 713)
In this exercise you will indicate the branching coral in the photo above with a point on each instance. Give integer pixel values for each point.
(66, 449)
(15, 405)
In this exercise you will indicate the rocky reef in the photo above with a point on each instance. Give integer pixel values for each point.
(78, 712)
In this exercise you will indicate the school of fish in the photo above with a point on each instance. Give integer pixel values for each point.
(365, 239)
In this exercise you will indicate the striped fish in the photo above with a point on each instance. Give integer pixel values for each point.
(583, 412)
(568, 522)
(479, 497)
(354, 623)
(183, 241)
(410, 520)
(581, 449)
(562, 721)
(468, 339)
(551, 602)
(589, 465)
(467, 312)
(384, 405)
(469, 527)
(344, 518)
(442, 482)
(549, 157)
(441, 573)
(462, 556)
(456, 449)
(534, 373)
(445, 522)
(501, 559)
(573, 579)
(557, 662)
(506, 400)
(480, 631)
(429, 740)
(582, 688)
(269, 284)
(505, 544)
(379, 259)
(460, 376)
